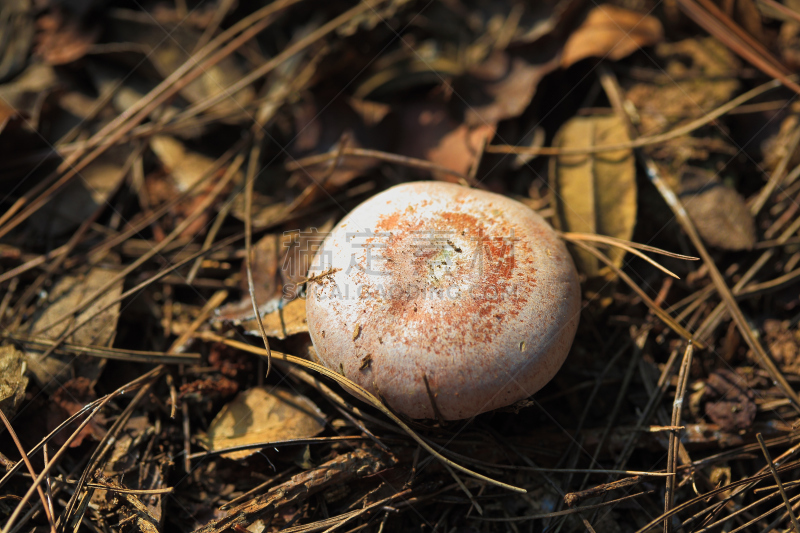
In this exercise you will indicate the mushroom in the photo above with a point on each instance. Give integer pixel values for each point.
(444, 301)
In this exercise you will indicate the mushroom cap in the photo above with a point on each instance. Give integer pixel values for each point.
(468, 290)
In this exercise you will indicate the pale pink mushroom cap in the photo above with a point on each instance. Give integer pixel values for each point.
(468, 288)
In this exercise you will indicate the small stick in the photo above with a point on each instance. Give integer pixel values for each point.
(574, 498)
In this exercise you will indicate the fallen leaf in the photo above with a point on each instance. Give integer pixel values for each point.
(428, 132)
(321, 129)
(719, 213)
(783, 342)
(281, 323)
(267, 210)
(280, 264)
(263, 415)
(611, 32)
(64, 297)
(24, 95)
(67, 400)
(698, 76)
(729, 401)
(13, 380)
(595, 193)
(185, 166)
(16, 36)
(503, 85)
(62, 38)
(79, 199)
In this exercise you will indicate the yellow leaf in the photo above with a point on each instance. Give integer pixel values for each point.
(263, 415)
(595, 193)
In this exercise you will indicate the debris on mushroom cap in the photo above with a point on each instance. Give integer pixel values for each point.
(447, 302)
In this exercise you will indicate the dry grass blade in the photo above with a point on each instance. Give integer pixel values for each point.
(680, 213)
(104, 352)
(275, 444)
(71, 516)
(703, 498)
(410, 162)
(657, 310)
(285, 54)
(672, 453)
(215, 301)
(574, 510)
(162, 274)
(777, 481)
(114, 131)
(363, 394)
(722, 288)
(641, 141)
(711, 22)
(219, 186)
(255, 154)
(776, 176)
(629, 246)
(145, 379)
(31, 471)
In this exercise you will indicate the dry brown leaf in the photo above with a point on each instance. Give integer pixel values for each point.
(595, 193)
(65, 296)
(730, 402)
(16, 36)
(280, 264)
(81, 197)
(699, 75)
(62, 38)
(289, 320)
(611, 32)
(428, 132)
(13, 380)
(185, 166)
(266, 210)
(67, 400)
(503, 85)
(263, 415)
(25, 94)
(718, 212)
(326, 128)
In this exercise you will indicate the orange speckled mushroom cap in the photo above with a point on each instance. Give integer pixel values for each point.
(469, 290)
